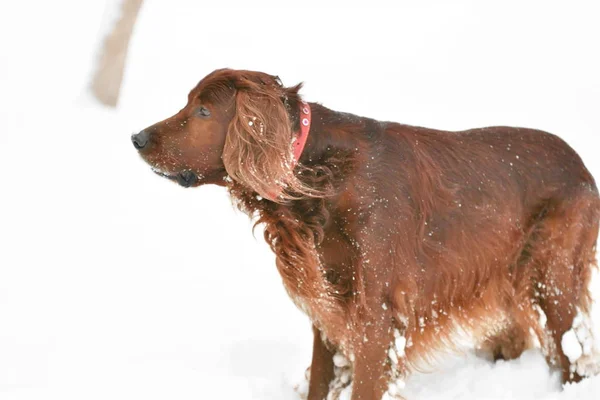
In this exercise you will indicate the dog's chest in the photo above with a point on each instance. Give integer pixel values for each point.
(326, 318)
(327, 305)
(316, 259)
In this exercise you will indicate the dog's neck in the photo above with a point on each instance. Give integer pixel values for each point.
(335, 137)
(335, 147)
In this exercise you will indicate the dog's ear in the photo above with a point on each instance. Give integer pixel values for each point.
(258, 148)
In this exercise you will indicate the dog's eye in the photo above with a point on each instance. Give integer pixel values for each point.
(203, 112)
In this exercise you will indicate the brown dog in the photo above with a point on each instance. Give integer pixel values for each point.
(393, 238)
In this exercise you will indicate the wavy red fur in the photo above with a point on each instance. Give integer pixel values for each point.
(384, 227)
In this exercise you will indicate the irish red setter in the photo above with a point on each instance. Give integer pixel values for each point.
(398, 241)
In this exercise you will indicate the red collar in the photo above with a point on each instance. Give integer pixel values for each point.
(302, 136)
(299, 142)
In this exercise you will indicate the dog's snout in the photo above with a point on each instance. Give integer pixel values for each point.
(140, 140)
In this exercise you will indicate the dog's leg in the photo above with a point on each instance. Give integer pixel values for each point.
(564, 253)
(507, 344)
(372, 340)
(370, 380)
(371, 366)
(321, 368)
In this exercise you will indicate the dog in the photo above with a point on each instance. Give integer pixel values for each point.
(398, 241)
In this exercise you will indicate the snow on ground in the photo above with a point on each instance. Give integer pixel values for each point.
(117, 284)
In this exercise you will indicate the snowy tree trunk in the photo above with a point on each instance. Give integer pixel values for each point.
(106, 83)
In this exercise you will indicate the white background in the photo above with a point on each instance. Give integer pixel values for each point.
(117, 284)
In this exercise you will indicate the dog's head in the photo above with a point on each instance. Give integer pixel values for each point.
(237, 125)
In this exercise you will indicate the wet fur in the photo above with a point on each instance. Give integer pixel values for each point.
(386, 226)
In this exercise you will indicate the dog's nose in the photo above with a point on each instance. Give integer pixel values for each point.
(140, 140)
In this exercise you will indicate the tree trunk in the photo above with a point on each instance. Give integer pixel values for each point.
(106, 84)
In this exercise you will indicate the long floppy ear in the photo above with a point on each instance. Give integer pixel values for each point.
(258, 148)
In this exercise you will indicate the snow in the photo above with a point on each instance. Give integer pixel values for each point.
(340, 361)
(581, 346)
(400, 343)
(115, 283)
(571, 346)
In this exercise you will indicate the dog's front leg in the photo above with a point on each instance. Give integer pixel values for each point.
(321, 368)
(371, 367)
